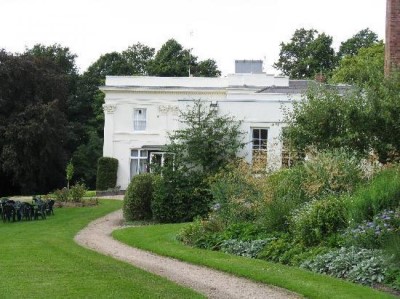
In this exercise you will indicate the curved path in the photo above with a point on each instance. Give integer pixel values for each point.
(212, 283)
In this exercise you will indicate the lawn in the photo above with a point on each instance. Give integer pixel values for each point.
(39, 259)
(160, 239)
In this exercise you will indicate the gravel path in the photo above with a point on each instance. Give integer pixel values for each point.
(212, 283)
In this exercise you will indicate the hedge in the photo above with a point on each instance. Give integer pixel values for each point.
(106, 173)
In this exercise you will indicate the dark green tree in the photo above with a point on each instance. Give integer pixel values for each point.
(33, 124)
(172, 60)
(138, 57)
(363, 39)
(307, 54)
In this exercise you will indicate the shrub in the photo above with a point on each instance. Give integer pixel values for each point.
(318, 219)
(106, 173)
(180, 197)
(383, 192)
(375, 233)
(237, 194)
(138, 198)
(243, 248)
(283, 195)
(363, 266)
(202, 234)
(77, 192)
(325, 173)
(331, 172)
(62, 194)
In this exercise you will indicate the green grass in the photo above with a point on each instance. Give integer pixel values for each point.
(160, 239)
(39, 259)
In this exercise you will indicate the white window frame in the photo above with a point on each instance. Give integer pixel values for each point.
(139, 119)
(142, 160)
(261, 147)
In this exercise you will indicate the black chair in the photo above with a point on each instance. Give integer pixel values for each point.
(39, 208)
(49, 206)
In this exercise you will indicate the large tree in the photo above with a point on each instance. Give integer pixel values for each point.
(363, 39)
(307, 54)
(172, 60)
(363, 68)
(33, 125)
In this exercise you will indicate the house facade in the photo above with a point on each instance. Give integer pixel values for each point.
(140, 111)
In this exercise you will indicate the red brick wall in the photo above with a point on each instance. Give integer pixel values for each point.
(392, 47)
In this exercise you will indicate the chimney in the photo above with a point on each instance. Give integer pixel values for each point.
(392, 46)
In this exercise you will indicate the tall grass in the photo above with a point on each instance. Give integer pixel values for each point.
(383, 192)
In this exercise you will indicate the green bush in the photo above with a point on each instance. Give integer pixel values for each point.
(180, 197)
(363, 266)
(204, 234)
(383, 192)
(237, 194)
(317, 220)
(106, 173)
(331, 172)
(285, 250)
(325, 173)
(62, 195)
(77, 192)
(138, 198)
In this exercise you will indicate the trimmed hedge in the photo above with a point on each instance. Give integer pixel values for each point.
(106, 173)
(138, 198)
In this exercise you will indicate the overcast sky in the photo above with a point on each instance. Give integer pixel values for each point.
(223, 30)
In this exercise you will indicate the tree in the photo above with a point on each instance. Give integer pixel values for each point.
(172, 60)
(363, 68)
(307, 54)
(138, 57)
(206, 143)
(360, 119)
(328, 118)
(69, 172)
(207, 68)
(363, 39)
(33, 125)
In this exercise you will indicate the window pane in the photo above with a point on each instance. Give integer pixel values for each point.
(256, 133)
(256, 143)
(264, 134)
(134, 168)
(139, 119)
(143, 153)
(134, 153)
(143, 166)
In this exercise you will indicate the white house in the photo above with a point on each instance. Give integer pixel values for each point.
(140, 110)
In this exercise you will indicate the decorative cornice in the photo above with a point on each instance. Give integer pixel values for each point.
(168, 108)
(189, 92)
(109, 108)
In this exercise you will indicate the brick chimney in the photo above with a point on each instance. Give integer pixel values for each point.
(392, 46)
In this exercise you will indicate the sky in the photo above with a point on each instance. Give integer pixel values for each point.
(223, 30)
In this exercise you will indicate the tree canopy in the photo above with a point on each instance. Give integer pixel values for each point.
(307, 54)
(172, 60)
(363, 39)
(362, 68)
(33, 124)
